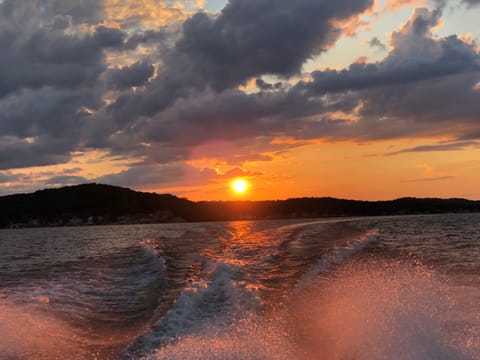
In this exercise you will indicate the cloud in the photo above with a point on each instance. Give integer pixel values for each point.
(471, 2)
(249, 39)
(85, 11)
(7, 177)
(148, 176)
(55, 78)
(147, 13)
(45, 150)
(238, 172)
(416, 56)
(246, 40)
(375, 42)
(126, 77)
(29, 181)
(66, 180)
(231, 116)
(424, 87)
(36, 53)
(53, 57)
(444, 146)
(263, 85)
(432, 179)
(76, 76)
(43, 126)
(396, 4)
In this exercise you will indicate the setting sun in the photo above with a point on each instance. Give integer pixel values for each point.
(239, 185)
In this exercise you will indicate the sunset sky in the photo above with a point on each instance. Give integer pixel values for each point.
(356, 99)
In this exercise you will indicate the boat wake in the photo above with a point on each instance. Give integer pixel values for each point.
(244, 290)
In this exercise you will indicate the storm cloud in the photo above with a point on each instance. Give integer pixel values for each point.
(245, 40)
(129, 76)
(424, 87)
(72, 81)
(251, 38)
(50, 73)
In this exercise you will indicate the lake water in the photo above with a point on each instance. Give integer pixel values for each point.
(369, 288)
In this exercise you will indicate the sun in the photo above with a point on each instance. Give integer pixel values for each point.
(239, 186)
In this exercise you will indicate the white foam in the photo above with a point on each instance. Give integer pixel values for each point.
(366, 311)
(338, 256)
(215, 300)
(252, 339)
(27, 333)
(378, 310)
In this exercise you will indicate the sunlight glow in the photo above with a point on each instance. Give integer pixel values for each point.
(239, 185)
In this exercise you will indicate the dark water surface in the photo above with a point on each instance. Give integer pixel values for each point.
(382, 288)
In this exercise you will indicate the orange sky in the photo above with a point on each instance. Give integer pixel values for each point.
(353, 171)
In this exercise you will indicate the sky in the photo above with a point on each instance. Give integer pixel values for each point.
(357, 99)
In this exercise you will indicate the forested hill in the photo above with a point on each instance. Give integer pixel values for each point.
(88, 203)
(104, 204)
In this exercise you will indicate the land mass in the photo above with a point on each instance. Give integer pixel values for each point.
(93, 204)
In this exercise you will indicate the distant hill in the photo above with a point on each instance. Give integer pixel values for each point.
(106, 204)
(89, 203)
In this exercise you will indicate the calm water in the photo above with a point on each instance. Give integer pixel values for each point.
(384, 288)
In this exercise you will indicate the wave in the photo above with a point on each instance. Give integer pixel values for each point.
(215, 300)
(95, 307)
(337, 256)
(371, 310)
(229, 290)
(28, 333)
(338, 309)
(377, 309)
(246, 290)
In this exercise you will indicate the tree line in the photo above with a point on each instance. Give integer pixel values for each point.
(106, 204)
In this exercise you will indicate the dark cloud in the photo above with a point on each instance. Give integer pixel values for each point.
(231, 116)
(263, 85)
(418, 89)
(147, 176)
(50, 77)
(84, 11)
(251, 38)
(375, 42)
(19, 153)
(149, 37)
(471, 2)
(134, 75)
(424, 87)
(47, 111)
(43, 126)
(107, 37)
(416, 56)
(35, 58)
(58, 95)
(247, 39)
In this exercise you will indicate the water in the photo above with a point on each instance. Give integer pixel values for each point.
(372, 288)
